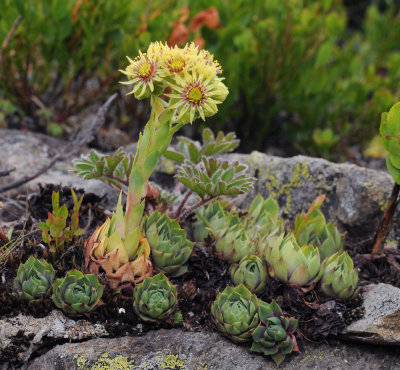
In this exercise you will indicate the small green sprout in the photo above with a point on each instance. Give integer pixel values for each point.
(55, 231)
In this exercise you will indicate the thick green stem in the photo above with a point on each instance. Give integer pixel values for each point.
(153, 142)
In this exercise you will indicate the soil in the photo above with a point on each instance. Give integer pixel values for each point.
(320, 317)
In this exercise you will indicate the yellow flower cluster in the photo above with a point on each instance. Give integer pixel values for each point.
(187, 77)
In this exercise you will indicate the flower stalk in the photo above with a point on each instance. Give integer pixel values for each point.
(182, 85)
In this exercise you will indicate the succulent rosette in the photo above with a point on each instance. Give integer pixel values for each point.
(77, 293)
(274, 336)
(170, 248)
(251, 271)
(340, 278)
(34, 279)
(120, 250)
(212, 217)
(292, 264)
(329, 241)
(262, 219)
(232, 241)
(311, 228)
(235, 312)
(155, 298)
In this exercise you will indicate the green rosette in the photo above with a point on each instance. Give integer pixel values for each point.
(34, 279)
(251, 271)
(274, 336)
(77, 293)
(170, 248)
(235, 312)
(156, 298)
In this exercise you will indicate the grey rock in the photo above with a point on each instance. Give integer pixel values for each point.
(29, 152)
(175, 349)
(381, 321)
(355, 196)
(53, 327)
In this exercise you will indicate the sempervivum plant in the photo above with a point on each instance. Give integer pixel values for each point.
(340, 278)
(235, 312)
(311, 228)
(274, 336)
(213, 216)
(293, 264)
(119, 250)
(251, 271)
(155, 298)
(232, 241)
(170, 248)
(77, 293)
(262, 219)
(34, 279)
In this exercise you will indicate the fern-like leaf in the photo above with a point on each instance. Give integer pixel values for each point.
(212, 145)
(113, 169)
(213, 177)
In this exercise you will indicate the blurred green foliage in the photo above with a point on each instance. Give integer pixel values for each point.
(297, 73)
(65, 54)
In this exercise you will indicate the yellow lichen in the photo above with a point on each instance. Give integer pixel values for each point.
(80, 361)
(300, 174)
(170, 361)
(383, 204)
(104, 362)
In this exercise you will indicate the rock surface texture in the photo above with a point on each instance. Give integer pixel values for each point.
(175, 349)
(36, 332)
(381, 321)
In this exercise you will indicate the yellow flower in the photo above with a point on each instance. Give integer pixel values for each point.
(196, 96)
(175, 63)
(145, 75)
(208, 60)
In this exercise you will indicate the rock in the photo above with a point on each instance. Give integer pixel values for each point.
(381, 321)
(355, 196)
(28, 152)
(38, 331)
(175, 349)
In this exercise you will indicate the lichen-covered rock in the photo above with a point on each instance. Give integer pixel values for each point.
(176, 349)
(355, 196)
(37, 331)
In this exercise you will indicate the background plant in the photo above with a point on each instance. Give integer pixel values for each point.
(65, 55)
(299, 73)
